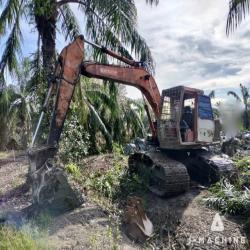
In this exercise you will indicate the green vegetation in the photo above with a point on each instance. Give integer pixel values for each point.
(233, 199)
(99, 111)
(109, 23)
(228, 199)
(24, 239)
(30, 236)
(237, 11)
(73, 169)
(115, 183)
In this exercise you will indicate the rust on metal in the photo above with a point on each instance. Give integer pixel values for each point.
(134, 76)
(71, 59)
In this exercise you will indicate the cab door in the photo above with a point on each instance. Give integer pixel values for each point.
(205, 120)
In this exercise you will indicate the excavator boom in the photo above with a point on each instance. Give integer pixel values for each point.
(133, 76)
(71, 65)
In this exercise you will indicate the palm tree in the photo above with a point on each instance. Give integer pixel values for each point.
(6, 98)
(17, 107)
(237, 11)
(99, 109)
(110, 23)
(245, 100)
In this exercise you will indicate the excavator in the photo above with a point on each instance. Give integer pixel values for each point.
(181, 121)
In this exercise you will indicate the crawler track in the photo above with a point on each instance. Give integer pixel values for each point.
(207, 167)
(166, 177)
(168, 173)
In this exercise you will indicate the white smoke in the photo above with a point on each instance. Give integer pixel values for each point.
(230, 117)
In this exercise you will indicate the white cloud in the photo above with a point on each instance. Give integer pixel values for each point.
(190, 46)
(188, 42)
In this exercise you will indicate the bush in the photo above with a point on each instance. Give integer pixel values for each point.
(73, 169)
(228, 199)
(116, 182)
(243, 164)
(75, 141)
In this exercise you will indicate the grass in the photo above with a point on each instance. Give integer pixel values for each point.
(12, 239)
(10, 154)
(110, 238)
(30, 236)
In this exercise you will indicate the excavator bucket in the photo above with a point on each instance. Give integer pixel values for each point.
(137, 224)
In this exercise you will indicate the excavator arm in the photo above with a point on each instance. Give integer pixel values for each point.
(133, 76)
(70, 66)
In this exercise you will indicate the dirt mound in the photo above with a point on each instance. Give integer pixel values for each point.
(99, 163)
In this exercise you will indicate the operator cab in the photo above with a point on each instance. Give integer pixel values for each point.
(186, 119)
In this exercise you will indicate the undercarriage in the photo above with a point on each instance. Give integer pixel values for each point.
(168, 173)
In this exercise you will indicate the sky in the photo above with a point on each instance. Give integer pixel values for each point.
(189, 45)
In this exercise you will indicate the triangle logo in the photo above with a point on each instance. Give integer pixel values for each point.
(217, 224)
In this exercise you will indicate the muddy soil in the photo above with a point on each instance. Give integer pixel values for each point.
(180, 222)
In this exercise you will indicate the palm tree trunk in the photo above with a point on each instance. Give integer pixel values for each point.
(3, 134)
(46, 25)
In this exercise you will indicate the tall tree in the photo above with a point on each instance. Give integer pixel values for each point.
(16, 109)
(6, 98)
(237, 11)
(245, 100)
(110, 23)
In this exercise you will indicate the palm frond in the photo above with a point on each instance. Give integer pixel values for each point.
(98, 120)
(113, 24)
(234, 95)
(6, 97)
(229, 200)
(8, 15)
(245, 94)
(12, 46)
(151, 2)
(82, 109)
(69, 23)
(237, 12)
(2, 82)
(97, 94)
(133, 118)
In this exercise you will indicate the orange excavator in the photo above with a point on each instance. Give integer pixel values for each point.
(183, 127)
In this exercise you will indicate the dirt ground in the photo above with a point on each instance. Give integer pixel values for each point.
(180, 222)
